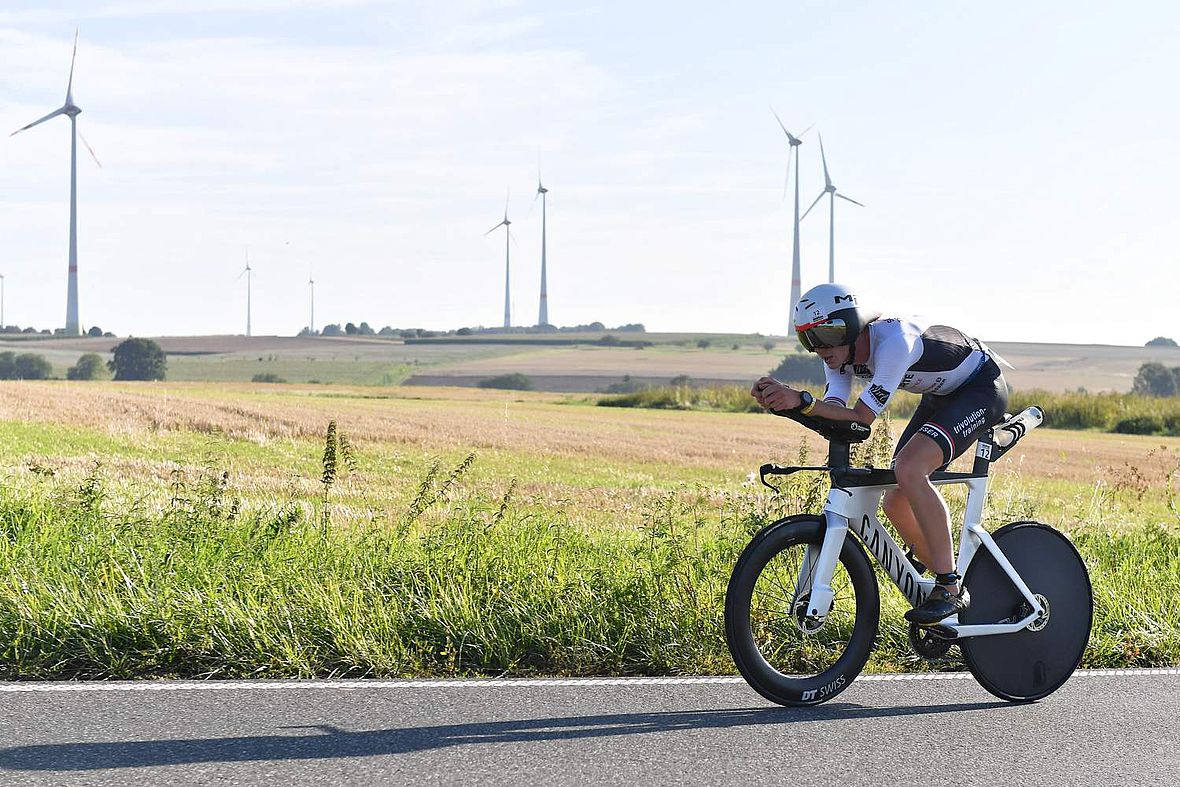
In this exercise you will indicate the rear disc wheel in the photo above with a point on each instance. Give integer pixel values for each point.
(1036, 661)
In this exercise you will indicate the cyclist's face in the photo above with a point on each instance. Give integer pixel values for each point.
(834, 357)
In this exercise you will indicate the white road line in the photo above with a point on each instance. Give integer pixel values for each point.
(476, 683)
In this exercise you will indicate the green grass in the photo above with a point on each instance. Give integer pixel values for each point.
(105, 579)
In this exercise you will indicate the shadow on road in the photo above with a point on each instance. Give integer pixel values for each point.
(331, 742)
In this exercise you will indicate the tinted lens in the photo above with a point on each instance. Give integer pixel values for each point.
(827, 334)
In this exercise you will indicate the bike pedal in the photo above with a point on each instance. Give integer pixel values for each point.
(942, 631)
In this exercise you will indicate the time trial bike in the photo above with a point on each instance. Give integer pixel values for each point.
(802, 607)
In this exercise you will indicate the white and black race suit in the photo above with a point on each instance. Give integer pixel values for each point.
(963, 390)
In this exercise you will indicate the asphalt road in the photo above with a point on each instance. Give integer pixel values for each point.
(1100, 729)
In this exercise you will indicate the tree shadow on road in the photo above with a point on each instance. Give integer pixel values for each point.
(328, 742)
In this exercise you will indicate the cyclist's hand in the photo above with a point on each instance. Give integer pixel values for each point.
(773, 395)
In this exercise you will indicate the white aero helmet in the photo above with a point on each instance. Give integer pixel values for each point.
(830, 316)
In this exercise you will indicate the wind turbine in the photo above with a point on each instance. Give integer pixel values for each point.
(507, 261)
(795, 142)
(830, 190)
(73, 327)
(247, 273)
(543, 319)
(311, 284)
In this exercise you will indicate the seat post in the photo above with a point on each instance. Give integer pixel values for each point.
(984, 454)
(837, 454)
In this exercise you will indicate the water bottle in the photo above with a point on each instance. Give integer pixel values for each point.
(1014, 428)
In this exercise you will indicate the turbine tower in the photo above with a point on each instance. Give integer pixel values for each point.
(795, 142)
(311, 284)
(247, 273)
(73, 326)
(543, 319)
(833, 193)
(507, 262)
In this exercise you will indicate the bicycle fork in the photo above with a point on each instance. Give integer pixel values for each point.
(819, 565)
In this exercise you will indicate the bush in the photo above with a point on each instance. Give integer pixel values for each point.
(511, 382)
(138, 359)
(29, 366)
(609, 339)
(89, 367)
(267, 377)
(1161, 341)
(94, 331)
(802, 368)
(703, 344)
(724, 398)
(1140, 424)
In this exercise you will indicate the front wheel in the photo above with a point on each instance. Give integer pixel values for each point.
(1029, 664)
(785, 655)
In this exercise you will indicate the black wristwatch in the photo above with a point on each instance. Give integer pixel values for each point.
(806, 402)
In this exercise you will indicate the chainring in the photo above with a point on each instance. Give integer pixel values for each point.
(927, 644)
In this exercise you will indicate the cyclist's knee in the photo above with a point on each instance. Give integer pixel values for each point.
(894, 503)
(911, 471)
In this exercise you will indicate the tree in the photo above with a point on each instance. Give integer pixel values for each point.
(94, 331)
(512, 382)
(703, 344)
(768, 345)
(1161, 341)
(30, 366)
(350, 329)
(1155, 379)
(138, 359)
(88, 367)
(331, 329)
(799, 368)
(364, 329)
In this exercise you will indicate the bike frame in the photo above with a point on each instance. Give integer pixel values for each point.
(852, 507)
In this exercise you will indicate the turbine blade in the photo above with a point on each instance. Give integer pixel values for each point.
(849, 199)
(817, 199)
(70, 84)
(87, 144)
(804, 131)
(827, 180)
(493, 229)
(53, 114)
(790, 137)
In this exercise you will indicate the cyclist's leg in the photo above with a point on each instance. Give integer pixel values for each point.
(895, 504)
(959, 420)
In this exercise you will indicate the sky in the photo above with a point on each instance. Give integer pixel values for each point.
(1017, 163)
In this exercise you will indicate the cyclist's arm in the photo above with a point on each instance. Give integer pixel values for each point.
(836, 411)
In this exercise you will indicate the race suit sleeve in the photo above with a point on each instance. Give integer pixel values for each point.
(839, 386)
(892, 360)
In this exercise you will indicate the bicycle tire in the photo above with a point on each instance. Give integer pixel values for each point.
(760, 626)
(1028, 665)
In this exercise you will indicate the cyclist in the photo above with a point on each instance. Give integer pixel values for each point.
(963, 394)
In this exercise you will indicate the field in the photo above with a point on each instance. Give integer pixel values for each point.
(581, 364)
(201, 529)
